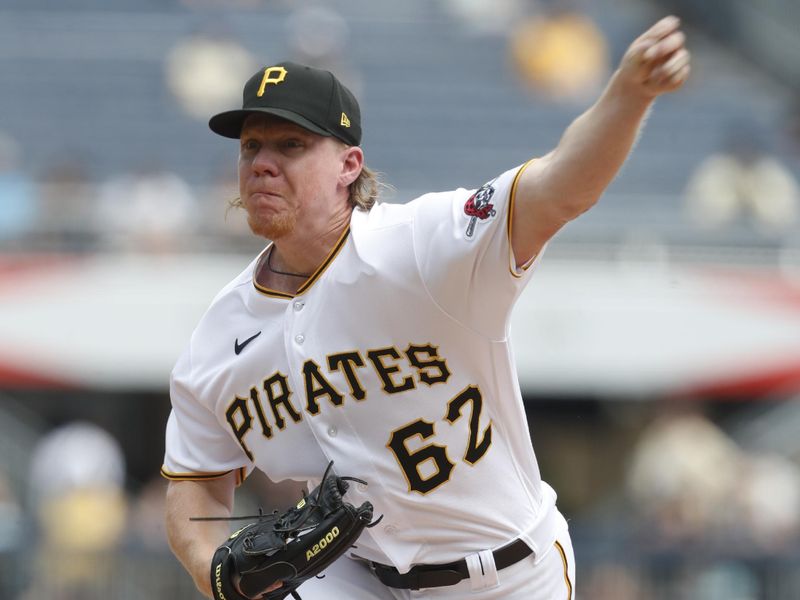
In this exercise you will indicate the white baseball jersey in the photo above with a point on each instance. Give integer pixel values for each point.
(393, 360)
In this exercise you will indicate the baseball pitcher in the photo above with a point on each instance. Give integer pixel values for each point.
(366, 352)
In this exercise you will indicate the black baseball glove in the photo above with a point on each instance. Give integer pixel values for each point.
(289, 547)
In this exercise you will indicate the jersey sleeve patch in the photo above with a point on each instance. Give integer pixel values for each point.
(479, 209)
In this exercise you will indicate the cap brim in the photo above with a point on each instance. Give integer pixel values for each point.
(229, 123)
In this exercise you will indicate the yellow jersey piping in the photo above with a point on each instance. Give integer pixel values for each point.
(509, 221)
(241, 474)
(314, 276)
(563, 554)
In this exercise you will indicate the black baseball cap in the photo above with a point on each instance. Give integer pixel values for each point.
(309, 97)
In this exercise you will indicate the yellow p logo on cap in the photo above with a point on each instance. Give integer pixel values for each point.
(272, 75)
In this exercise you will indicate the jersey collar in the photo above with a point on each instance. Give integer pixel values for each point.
(311, 280)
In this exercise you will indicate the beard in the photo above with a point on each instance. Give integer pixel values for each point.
(273, 226)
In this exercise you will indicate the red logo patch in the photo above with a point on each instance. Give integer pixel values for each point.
(472, 209)
(478, 207)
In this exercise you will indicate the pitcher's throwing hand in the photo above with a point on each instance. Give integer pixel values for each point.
(657, 62)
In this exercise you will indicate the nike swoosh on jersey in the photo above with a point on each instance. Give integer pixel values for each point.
(237, 347)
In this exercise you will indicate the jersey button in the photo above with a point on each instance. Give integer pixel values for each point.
(332, 431)
(390, 529)
(299, 338)
(298, 305)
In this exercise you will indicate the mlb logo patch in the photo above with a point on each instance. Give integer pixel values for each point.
(478, 208)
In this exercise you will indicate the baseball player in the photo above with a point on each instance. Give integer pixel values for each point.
(376, 336)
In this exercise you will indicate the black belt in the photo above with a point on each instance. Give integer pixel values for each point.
(427, 576)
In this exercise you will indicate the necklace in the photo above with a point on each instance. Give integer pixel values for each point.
(277, 272)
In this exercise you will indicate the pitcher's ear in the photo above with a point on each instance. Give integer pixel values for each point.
(352, 164)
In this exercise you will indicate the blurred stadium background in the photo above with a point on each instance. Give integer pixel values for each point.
(658, 347)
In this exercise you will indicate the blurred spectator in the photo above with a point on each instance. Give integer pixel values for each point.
(19, 210)
(150, 210)
(561, 53)
(743, 182)
(689, 482)
(768, 501)
(204, 71)
(728, 580)
(11, 532)
(792, 116)
(68, 199)
(683, 472)
(77, 478)
(10, 514)
(318, 37)
(146, 530)
(610, 581)
(792, 120)
(488, 16)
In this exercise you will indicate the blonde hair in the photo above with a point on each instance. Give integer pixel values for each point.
(364, 191)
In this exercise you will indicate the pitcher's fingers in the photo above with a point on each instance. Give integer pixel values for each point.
(661, 29)
(668, 69)
(680, 76)
(672, 83)
(661, 49)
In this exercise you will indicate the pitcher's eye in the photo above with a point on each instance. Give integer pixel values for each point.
(293, 143)
(249, 145)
